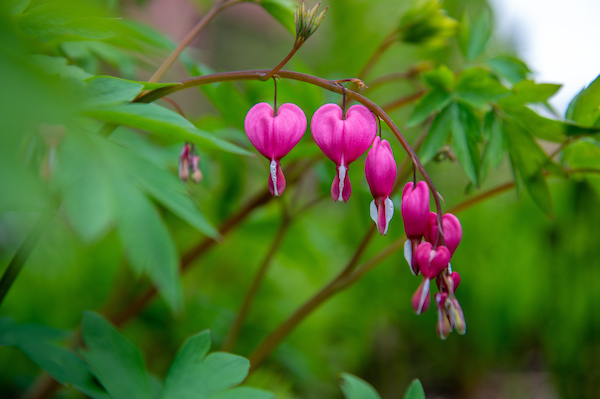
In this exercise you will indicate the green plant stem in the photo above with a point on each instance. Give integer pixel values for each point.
(219, 6)
(330, 85)
(24, 251)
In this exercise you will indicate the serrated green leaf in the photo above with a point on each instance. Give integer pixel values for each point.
(282, 11)
(117, 363)
(585, 107)
(528, 92)
(478, 87)
(440, 78)
(356, 388)
(147, 243)
(429, 103)
(194, 376)
(466, 133)
(511, 68)
(437, 136)
(415, 390)
(160, 120)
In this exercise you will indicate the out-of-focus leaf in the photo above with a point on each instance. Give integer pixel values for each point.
(474, 35)
(282, 11)
(466, 133)
(117, 363)
(194, 376)
(107, 91)
(160, 120)
(59, 66)
(495, 147)
(437, 136)
(18, 6)
(440, 78)
(426, 23)
(527, 92)
(243, 393)
(585, 106)
(147, 243)
(415, 390)
(584, 153)
(511, 68)
(529, 159)
(547, 129)
(430, 102)
(38, 342)
(478, 87)
(356, 388)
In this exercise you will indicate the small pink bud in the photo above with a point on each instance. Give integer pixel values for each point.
(421, 300)
(455, 280)
(196, 173)
(415, 209)
(184, 163)
(443, 326)
(275, 136)
(343, 140)
(432, 262)
(452, 230)
(380, 170)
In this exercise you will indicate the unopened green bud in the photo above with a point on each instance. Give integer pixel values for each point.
(427, 23)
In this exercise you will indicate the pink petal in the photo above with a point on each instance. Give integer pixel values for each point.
(380, 168)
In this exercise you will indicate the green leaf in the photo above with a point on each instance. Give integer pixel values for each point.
(415, 390)
(511, 68)
(585, 107)
(282, 11)
(584, 153)
(528, 92)
(244, 393)
(18, 6)
(547, 129)
(437, 136)
(160, 120)
(107, 91)
(147, 243)
(429, 103)
(117, 363)
(466, 133)
(529, 159)
(493, 153)
(440, 78)
(473, 37)
(39, 344)
(356, 388)
(194, 376)
(478, 87)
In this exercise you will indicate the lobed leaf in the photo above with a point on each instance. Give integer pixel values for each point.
(528, 92)
(437, 136)
(478, 87)
(511, 68)
(466, 133)
(585, 107)
(356, 388)
(282, 11)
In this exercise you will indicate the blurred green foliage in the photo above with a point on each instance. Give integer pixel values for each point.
(530, 284)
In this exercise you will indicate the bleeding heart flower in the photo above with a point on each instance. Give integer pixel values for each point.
(415, 213)
(452, 230)
(343, 140)
(380, 170)
(275, 136)
(432, 262)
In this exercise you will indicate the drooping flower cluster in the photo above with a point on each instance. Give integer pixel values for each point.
(344, 137)
(428, 253)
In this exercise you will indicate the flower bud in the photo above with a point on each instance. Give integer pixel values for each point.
(452, 230)
(196, 173)
(275, 136)
(443, 326)
(457, 318)
(380, 171)
(415, 209)
(343, 140)
(184, 163)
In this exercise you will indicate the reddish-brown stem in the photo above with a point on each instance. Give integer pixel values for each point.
(385, 44)
(403, 101)
(273, 71)
(258, 74)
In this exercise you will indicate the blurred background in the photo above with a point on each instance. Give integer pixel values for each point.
(530, 287)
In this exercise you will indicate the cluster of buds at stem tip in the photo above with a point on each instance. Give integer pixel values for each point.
(306, 21)
(189, 164)
(428, 251)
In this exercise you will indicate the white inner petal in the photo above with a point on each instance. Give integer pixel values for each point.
(408, 254)
(342, 177)
(273, 168)
(389, 212)
(424, 294)
(449, 268)
(373, 211)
